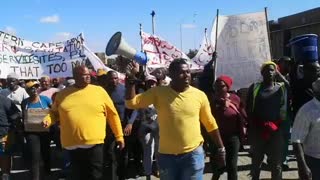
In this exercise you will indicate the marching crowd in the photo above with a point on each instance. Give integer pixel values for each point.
(167, 128)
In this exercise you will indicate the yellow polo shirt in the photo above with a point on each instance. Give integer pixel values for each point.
(83, 114)
(179, 117)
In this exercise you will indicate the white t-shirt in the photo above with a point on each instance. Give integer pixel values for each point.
(16, 96)
(306, 128)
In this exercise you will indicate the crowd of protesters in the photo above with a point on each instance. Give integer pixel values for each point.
(166, 128)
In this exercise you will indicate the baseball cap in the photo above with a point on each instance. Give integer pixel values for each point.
(30, 84)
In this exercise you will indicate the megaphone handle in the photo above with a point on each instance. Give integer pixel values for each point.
(141, 58)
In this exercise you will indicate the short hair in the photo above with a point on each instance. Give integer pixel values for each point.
(175, 64)
(284, 58)
(112, 72)
(77, 68)
(45, 77)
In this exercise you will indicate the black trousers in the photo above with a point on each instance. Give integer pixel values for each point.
(86, 164)
(272, 147)
(119, 159)
(38, 148)
(313, 164)
(232, 145)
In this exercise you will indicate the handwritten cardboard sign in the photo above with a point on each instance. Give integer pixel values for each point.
(242, 47)
(33, 120)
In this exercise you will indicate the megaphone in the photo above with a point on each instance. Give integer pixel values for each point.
(117, 45)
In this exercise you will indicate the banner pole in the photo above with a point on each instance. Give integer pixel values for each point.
(215, 48)
(268, 31)
(141, 41)
(205, 34)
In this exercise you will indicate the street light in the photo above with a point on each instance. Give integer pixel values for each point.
(153, 14)
(194, 31)
(181, 37)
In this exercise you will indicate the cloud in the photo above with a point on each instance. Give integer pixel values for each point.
(50, 19)
(10, 30)
(189, 26)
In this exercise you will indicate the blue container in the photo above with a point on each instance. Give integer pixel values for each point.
(305, 48)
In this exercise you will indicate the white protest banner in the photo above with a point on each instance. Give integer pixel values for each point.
(242, 47)
(204, 54)
(161, 53)
(32, 59)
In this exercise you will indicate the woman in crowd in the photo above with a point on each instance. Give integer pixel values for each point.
(230, 118)
(38, 142)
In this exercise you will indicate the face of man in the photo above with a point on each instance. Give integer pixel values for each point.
(81, 76)
(268, 73)
(285, 67)
(311, 71)
(45, 83)
(182, 76)
(13, 83)
(112, 79)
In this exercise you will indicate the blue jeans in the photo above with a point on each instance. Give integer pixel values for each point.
(188, 166)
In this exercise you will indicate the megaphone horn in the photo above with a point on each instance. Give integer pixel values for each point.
(117, 45)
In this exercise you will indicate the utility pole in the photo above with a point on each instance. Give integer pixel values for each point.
(194, 30)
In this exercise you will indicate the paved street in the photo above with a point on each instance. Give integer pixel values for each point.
(244, 168)
(19, 171)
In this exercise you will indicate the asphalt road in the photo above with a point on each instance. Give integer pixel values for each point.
(19, 171)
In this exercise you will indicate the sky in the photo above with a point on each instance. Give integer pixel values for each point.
(98, 20)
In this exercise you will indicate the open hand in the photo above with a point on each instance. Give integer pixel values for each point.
(128, 130)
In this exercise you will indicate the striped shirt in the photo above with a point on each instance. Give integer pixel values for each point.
(306, 128)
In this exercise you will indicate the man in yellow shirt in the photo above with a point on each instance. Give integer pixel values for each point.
(181, 109)
(83, 110)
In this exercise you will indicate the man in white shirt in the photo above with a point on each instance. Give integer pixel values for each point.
(14, 91)
(306, 136)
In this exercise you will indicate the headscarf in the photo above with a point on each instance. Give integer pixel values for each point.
(267, 63)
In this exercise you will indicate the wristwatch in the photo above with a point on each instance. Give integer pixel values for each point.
(222, 150)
